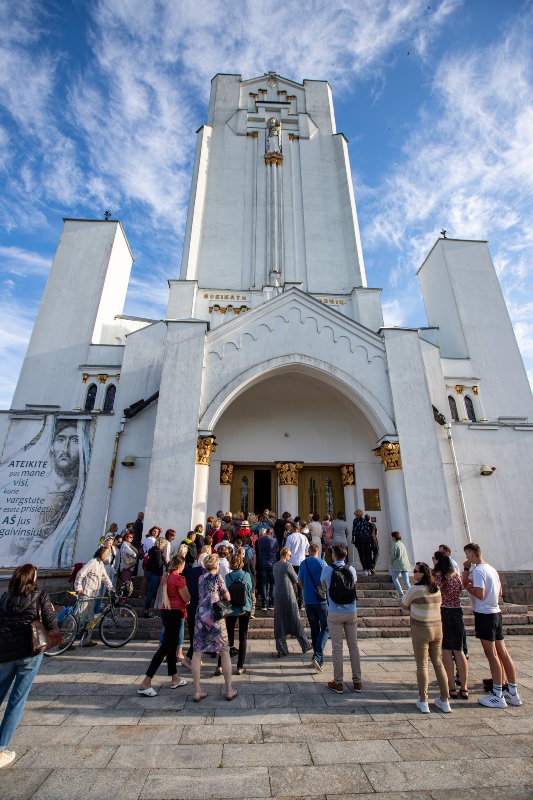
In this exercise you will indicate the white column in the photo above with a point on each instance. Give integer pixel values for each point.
(288, 487)
(205, 446)
(350, 503)
(396, 496)
(226, 476)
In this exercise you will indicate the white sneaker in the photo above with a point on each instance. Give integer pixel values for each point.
(492, 700)
(443, 705)
(7, 757)
(512, 699)
(423, 706)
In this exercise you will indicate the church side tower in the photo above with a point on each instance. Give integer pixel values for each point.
(272, 203)
(85, 290)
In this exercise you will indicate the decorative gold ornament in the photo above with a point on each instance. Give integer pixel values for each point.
(347, 475)
(389, 452)
(85, 377)
(274, 158)
(459, 389)
(226, 473)
(288, 473)
(117, 376)
(102, 378)
(255, 96)
(205, 445)
(475, 389)
(292, 137)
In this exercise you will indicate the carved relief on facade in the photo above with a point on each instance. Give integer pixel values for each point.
(347, 475)
(205, 445)
(389, 452)
(288, 473)
(226, 473)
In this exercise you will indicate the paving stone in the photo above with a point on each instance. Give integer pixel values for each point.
(264, 755)
(436, 749)
(134, 702)
(131, 734)
(56, 757)
(28, 735)
(381, 796)
(92, 784)
(354, 752)
(296, 700)
(257, 716)
(103, 716)
(501, 793)
(219, 701)
(353, 731)
(326, 732)
(508, 746)
(201, 784)
(442, 725)
(310, 781)
(192, 716)
(505, 723)
(223, 734)
(449, 774)
(158, 755)
(333, 714)
(20, 784)
(45, 716)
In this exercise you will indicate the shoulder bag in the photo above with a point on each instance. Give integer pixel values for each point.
(320, 591)
(41, 638)
(222, 609)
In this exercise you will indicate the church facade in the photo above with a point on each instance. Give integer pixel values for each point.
(272, 381)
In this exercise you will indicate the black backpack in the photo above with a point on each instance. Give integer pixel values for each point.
(342, 586)
(237, 592)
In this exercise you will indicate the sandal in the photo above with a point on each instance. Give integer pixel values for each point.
(218, 671)
(464, 694)
(180, 683)
(453, 694)
(197, 696)
(241, 671)
(150, 692)
(231, 695)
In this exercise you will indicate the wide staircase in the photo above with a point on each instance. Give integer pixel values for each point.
(378, 614)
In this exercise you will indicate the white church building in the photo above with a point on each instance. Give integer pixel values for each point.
(276, 382)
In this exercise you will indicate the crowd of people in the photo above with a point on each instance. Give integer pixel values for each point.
(212, 579)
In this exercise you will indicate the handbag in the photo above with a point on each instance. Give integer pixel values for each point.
(222, 609)
(320, 591)
(41, 638)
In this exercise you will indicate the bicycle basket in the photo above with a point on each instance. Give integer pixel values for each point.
(126, 589)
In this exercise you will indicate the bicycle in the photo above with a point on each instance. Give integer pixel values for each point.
(118, 621)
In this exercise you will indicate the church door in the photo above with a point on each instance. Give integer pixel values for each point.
(253, 488)
(320, 491)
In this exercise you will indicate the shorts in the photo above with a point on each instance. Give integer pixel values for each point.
(488, 627)
(452, 628)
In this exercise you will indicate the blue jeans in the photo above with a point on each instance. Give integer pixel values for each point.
(266, 576)
(98, 603)
(181, 634)
(317, 614)
(405, 578)
(153, 586)
(23, 672)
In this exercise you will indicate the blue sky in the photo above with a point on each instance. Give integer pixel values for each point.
(100, 101)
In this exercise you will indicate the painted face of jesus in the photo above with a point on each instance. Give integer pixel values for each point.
(65, 453)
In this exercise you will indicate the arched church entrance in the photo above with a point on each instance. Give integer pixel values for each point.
(293, 442)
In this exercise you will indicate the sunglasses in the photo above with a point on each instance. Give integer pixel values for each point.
(418, 572)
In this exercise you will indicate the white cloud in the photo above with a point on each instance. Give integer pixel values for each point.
(18, 261)
(16, 323)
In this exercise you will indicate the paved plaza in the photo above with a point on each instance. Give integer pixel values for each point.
(87, 735)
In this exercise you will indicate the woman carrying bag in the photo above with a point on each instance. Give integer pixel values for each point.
(175, 598)
(239, 586)
(21, 607)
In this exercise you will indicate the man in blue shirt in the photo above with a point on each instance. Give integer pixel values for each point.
(309, 577)
(342, 621)
(266, 548)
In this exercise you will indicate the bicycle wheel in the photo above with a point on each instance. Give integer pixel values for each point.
(69, 629)
(118, 626)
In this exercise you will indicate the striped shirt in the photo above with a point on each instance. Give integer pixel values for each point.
(424, 607)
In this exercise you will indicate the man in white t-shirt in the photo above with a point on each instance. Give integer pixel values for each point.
(298, 544)
(483, 585)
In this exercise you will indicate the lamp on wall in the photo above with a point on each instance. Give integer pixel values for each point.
(128, 461)
(486, 471)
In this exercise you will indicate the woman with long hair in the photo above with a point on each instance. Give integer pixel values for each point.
(399, 563)
(453, 626)
(173, 611)
(21, 605)
(210, 634)
(423, 601)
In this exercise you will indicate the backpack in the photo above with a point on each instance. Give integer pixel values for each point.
(237, 592)
(342, 586)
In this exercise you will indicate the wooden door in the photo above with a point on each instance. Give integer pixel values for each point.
(320, 491)
(243, 488)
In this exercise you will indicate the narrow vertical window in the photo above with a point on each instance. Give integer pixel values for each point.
(313, 506)
(453, 408)
(244, 495)
(91, 397)
(469, 405)
(109, 401)
(329, 497)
